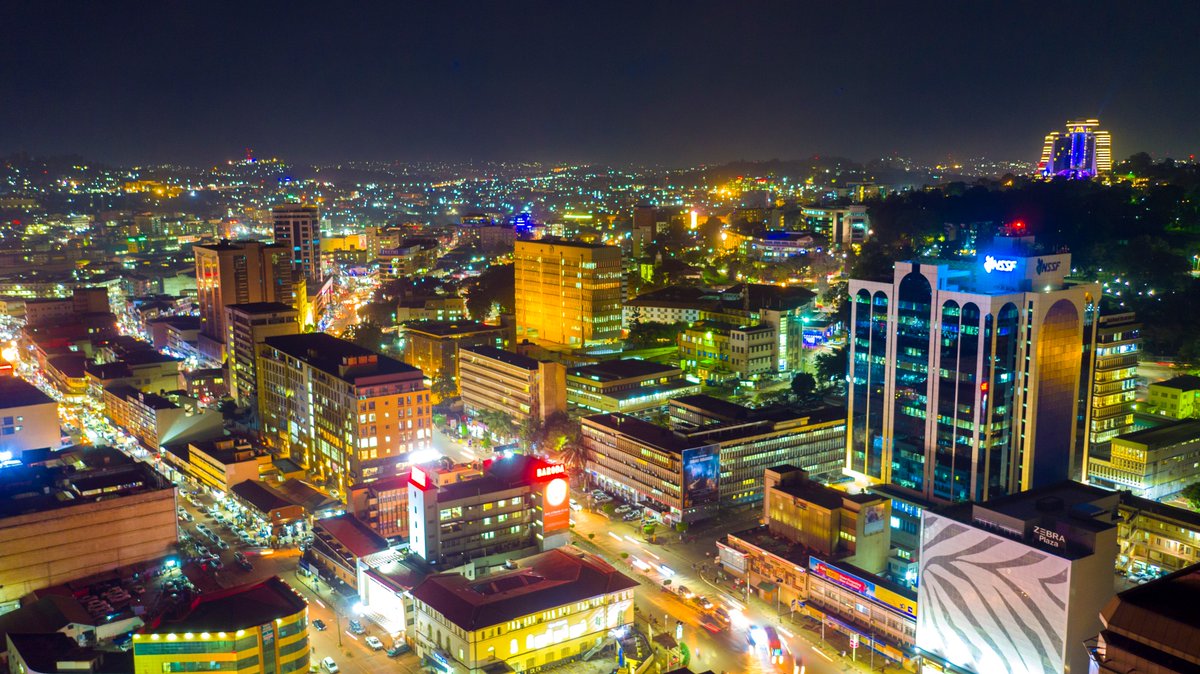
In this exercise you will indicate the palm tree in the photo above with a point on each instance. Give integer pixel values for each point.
(498, 423)
(574, 456)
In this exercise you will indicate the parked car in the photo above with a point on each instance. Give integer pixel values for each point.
(356, 627)
(374, 642)
(245, 565)
(329, 665)
(398, 650)
(319, 624)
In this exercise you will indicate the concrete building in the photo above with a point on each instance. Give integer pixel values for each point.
(54, 653)
(841, 226)
(1151, 629)
(249, 628)
(345, 413)
(28, 419)
(340, 542)
(567, 293)
(1176, 398)
(383, 505)
(239, 272)
(221, 463)
(246, 327)
(298, 229)
(715, 351)
(1112, 374)
(673, 304)
(551, 609)
(502, 381)
(1156, 463)
(1155, 538)
(965, 376)
(637, 387)
(60, 523)
(517, 506)
(155, 420)
(1016, 584)
(432, 346)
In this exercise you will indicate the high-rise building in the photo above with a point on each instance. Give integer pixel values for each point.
(298, 228)
(568, 292)
(1015, 585)
(965, 376)
(239, 272)
(343, 412)
(1110, 367)
(502, 381)
(432, 346)
(247, 325)
(1082, 151)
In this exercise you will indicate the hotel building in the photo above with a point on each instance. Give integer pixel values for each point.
(1082, 151)
(965, 376)
(637, 387)
(345, 413)
(567, 292)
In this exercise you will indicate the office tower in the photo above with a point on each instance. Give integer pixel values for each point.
(965, 376)
(1015, 585)
(567, 292)
(345, 413)
(239, 272)
(298, 227)
(1082, 151)
(1110, 369)
(247, 326)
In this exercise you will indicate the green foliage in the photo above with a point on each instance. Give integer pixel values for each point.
(444, 387)
(804, 385)
(832, 365)
(496, 285)
(609, 508)
(643, 335)
(498, 423)
(368, 335)
(681, 527)
(1191, 494)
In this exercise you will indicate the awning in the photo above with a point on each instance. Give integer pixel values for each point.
(666, 640)
(767, 586)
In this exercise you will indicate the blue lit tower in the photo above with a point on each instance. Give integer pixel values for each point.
(964, 375)
(1083, 151)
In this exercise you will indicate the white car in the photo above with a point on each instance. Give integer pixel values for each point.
(329, 665)
(374, 643)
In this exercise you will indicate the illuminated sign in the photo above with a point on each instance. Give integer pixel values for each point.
(1048, 537)
(1043, 266)
(844, 579)
(991, 264)
(556, 492)
(419, 478)
(881, 595)
(547, 471)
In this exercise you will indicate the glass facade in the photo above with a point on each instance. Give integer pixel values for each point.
(868, 374)
(911, 381)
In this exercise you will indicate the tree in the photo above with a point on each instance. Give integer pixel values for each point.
(367, 335)
(498, 423)
(574, 456)
(832, 365)
(496, 285)
(804, 385)
(1191, 494)
(228, 410)
(444, 387)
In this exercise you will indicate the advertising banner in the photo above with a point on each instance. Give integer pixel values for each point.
(701, 476)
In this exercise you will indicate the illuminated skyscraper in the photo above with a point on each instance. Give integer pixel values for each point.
(1083, 151)
(568, 292)
(298, 226)
(239, 272)
(965, 376)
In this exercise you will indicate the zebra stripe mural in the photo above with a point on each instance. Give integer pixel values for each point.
(990, 604)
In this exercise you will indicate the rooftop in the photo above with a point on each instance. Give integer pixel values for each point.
(551, 579)
(235, 608)
(350, 532)
(622, 368)
(1158, 621)
(1187, 430)
(645, 432)
(261, 496)
(565, 242)
(15, 392)
(1184, 382)
(57, 652)
(507, 357)
(449, 328)
(75, 479)
(499, 475)
(816, 493)
(338, 357)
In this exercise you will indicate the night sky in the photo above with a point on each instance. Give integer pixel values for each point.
(652, 82)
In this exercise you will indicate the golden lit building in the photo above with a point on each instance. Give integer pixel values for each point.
(247, 325)
(567, 292)
(553, 608)
(248, 629)
(432, 347)
(345, 413)
(239, 272)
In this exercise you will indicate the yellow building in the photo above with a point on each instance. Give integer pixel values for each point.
(1177, 398)
(249, 629)
(567, 292)
(551, 609)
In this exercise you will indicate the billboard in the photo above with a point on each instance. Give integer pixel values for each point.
(731, 559)
(866, 588)
(701, 476)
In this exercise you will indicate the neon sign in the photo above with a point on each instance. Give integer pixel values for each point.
(991, 264)
(547, 471)
(418, 477)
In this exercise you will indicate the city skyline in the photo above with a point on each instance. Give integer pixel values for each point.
(553, 83)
